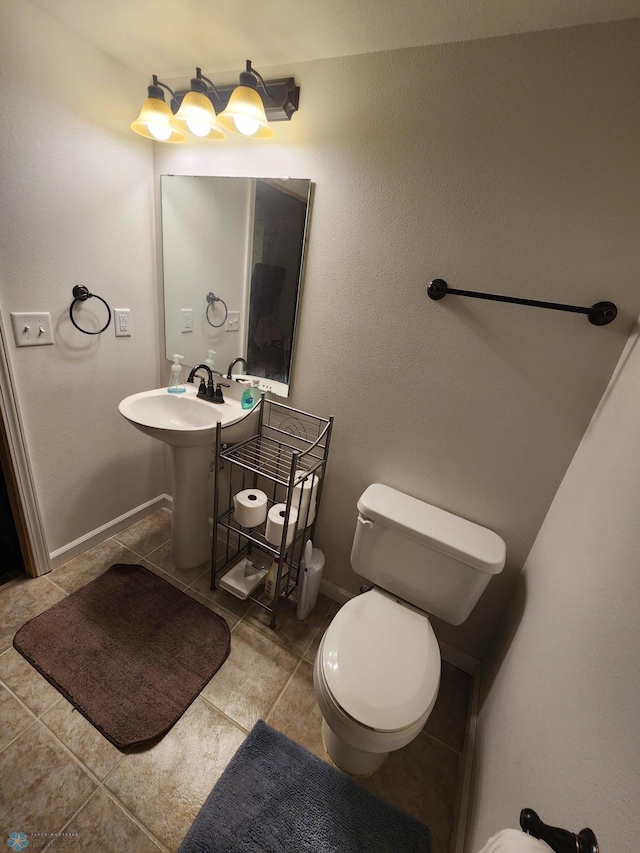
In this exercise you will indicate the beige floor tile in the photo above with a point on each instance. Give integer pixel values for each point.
(252, 677)
(14, 717)
(447, 721)
(86, 567)
(161, 558)
(41, 785)
(102, 825)
(297, 714)
(221, 597)
(230, 618)
(165, 577)
(293, 633)
(146, 535)
(22, 600)
(421, 779)
(165, 786)
(82, 738)
(27, 683)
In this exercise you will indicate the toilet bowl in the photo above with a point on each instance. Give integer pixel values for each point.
(377, 671)
(376, 677)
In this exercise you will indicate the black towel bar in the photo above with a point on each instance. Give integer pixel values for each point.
(559, 840)
(600, 314)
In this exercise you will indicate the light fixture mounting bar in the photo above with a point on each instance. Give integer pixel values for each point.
(280, 107)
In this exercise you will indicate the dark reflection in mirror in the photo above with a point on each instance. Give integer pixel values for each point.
(278, 232)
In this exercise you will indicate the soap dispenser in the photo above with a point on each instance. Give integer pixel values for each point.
(176, 384)
(250, 395)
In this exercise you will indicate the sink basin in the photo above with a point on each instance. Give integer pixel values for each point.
(188, 425)
(181, 420)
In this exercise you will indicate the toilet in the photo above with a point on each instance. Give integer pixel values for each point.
(377, 671)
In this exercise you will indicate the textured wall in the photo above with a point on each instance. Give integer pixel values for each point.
(559, 730)
(507, 165)
(77, 208)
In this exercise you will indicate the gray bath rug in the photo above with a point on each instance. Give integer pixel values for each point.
(276, 797)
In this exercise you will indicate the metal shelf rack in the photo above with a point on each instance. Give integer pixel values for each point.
(288, 447)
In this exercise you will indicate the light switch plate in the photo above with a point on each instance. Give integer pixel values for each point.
(233, 321)
(32, 329)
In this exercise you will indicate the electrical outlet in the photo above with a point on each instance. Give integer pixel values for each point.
(122, 322)
(233, 321)
(31, 329)
(186, 320)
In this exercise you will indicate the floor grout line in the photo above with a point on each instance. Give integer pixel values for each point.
(279, 696)
(238, 725)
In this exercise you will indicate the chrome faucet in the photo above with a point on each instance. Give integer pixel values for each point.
(208, 391)
(233, 364)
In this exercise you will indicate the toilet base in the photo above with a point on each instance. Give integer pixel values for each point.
(355, 762)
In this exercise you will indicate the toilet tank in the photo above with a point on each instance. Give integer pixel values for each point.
(426, 556)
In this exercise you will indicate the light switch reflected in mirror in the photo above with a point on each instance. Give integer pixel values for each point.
(243, 240)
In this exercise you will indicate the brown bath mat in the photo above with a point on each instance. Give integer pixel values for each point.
(129, 650)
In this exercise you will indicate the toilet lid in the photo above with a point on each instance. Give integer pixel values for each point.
(381, 662)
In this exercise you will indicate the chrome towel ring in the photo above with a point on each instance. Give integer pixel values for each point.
(212, 299)
(81, 294)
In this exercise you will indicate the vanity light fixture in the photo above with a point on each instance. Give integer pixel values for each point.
(206, 111)
(245, 112)
(196, 112)
(155, 117)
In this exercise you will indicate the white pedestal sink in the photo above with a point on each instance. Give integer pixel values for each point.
(188, 425)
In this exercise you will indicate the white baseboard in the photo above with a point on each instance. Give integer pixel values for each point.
(335, 592)
(461, 809)
(458, 658)
(95, 537)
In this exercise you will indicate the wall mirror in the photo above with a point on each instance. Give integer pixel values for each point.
(232, 252)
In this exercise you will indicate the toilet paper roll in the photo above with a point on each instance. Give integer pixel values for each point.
(250, 507)
(275, 524)
(304, 497)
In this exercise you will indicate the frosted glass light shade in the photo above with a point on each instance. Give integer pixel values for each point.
(154, 122)
(246, 110)
(196, 114)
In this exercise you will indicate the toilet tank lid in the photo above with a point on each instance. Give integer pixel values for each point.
(443, 531)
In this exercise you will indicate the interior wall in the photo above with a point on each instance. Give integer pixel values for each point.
(77, 208)
(206, 238)
(559, 726)
(504, 165)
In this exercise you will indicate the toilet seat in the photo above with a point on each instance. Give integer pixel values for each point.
(380, 662)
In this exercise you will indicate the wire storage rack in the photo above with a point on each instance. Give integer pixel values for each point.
(286, 459)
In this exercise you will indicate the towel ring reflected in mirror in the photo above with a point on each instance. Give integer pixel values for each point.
(212, 299)
(81, 294)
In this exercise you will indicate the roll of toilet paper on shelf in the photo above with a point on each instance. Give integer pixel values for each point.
(250, 507)
(275, 524)
(304, 497)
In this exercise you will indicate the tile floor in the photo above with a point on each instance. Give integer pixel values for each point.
(59, 775)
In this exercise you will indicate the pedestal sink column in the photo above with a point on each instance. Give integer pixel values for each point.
(188, 425)
(190, 539)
